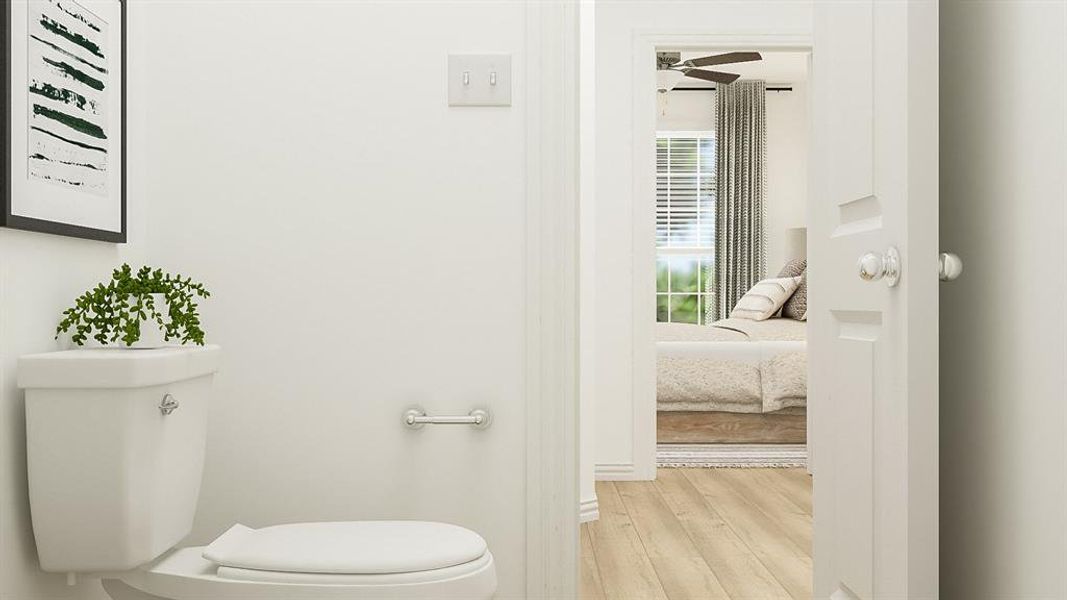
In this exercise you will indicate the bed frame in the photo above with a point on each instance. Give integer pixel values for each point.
(787, 426)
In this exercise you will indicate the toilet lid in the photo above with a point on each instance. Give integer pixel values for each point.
(351, 547)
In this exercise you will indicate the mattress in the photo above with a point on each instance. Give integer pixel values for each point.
(733, 365)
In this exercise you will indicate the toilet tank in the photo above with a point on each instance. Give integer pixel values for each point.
(115, 452)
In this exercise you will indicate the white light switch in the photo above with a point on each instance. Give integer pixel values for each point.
(479, 80)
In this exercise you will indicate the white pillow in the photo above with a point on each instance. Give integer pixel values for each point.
(765, 298)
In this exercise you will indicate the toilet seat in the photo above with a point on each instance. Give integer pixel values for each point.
(328, 572)
(347, 547)
(412, 577)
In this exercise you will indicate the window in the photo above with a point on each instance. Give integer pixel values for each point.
(685, 224)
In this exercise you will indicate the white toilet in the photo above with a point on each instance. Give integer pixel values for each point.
(115, 444)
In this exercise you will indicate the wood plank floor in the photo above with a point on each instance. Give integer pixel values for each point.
(715, 427)
(737, 534)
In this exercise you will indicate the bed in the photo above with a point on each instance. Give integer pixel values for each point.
(735, 381)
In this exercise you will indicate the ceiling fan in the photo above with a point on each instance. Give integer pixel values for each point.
(670, 68)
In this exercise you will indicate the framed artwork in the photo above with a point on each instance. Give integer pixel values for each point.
(64, 117)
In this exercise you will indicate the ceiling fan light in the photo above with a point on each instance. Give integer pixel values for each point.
(666, 80)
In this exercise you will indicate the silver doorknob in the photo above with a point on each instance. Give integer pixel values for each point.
(949, 266)
(874, 267)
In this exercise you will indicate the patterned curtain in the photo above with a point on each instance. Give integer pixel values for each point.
(740, 150)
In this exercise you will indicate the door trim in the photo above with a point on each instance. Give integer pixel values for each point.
(643, 253)
(551, 328)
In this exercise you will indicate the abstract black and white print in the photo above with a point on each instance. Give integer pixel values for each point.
(68, 96)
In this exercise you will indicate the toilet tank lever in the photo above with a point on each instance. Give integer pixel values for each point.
(416, 418)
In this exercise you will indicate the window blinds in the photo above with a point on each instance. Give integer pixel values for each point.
(685, 190)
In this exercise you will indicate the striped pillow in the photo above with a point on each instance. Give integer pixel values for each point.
(765, 298)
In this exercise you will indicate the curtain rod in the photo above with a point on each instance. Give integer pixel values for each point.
(711, 89)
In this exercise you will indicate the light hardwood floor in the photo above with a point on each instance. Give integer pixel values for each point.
(700, 534)
(715, 427)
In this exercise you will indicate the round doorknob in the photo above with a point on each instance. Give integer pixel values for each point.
(949, 266)
(875, 267)
(871, 267)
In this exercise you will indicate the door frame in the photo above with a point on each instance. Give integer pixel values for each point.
(551, 329)
(643, 235)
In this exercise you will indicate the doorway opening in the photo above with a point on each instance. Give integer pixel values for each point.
(731, 200)
(718, 381)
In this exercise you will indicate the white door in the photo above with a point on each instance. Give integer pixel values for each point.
(873, 355)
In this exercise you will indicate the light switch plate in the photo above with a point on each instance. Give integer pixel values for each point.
(479, 80)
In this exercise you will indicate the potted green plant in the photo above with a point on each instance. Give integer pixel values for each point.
(143, 309)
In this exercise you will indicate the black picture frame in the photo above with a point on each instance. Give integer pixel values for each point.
(7, 219)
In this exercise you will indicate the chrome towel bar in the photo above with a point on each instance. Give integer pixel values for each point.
(416, 418)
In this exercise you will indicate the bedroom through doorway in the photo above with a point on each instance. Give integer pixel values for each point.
(730, 260)
(718, 432)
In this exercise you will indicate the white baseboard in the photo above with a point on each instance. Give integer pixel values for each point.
(589, 510)
(731, 455)
(614, 472)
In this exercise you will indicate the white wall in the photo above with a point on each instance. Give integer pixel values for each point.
(787, 170)
(1003, 332)
(787, 154)
(686, 111)
(617, 23)
(364, 244)
(40, 275)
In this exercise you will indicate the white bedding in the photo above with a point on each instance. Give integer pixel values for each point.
(733, 365)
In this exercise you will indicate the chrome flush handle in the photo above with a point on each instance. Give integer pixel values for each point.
(874, 267)
(168, 404)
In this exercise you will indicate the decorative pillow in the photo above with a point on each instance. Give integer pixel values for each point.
(765, 298)
(796, 307)
(794, 268)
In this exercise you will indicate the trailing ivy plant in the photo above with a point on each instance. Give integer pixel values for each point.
(113, 312)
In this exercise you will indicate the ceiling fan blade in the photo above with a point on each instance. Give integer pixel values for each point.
(723, 59)
(716, 76)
